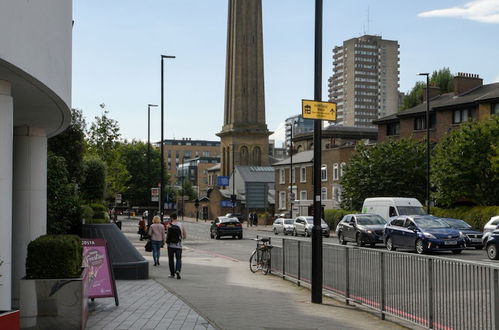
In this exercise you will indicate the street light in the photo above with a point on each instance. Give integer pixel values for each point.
(162, 172)
(291, 172)
(427, 140)
(149, 106)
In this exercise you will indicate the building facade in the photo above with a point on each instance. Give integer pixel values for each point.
(178, 152)
(297, 125)
(470, 100)
(196, 171)
(365, 80)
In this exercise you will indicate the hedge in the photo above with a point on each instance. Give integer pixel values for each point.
(477, 216)
(54, 256)
(333, 216)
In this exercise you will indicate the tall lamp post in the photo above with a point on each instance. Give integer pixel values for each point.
(149, 106)
(427, 140)
(162, 172)
(291, 176)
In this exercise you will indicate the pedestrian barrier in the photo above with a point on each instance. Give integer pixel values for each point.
(429, 291)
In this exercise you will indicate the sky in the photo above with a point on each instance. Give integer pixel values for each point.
(117, 46)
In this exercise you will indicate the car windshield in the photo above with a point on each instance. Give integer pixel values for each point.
(430, 223)
(311, 221)
(411, 210)
(367, 220)
(289, 221)
(457, 223)
(229, 220)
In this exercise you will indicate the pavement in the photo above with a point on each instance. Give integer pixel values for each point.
(219, 292)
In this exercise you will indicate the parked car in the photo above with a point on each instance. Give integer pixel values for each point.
(283, 225)
(473, 238)
(492, 246)
(389, 207)
(489, 228)
(303, 226)
(422, 233)
(226, 226)
(239, 216)
(361, 228)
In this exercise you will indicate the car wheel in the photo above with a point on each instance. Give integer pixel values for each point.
(275, 231)
(211, 235)
(358, 238)
(457, 251)
(420, 249)
(285, 233)
(492, 252)
(217, 235)
(341, 238)
(389, 244)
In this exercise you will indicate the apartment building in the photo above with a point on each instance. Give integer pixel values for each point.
(365, 80)
(179, 151)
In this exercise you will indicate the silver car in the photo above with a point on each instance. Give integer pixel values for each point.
(283, 225)
(304, 224)
(489, 228)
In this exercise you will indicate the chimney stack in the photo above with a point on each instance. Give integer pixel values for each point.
(464, 82)
(434, 91)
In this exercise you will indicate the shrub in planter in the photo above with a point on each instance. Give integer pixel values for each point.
(333, 216)
(54, 256)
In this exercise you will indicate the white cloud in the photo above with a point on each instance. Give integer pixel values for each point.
(279, 135)
(496, 78)
(485, 11)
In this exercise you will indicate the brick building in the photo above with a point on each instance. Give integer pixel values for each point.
(470, 100)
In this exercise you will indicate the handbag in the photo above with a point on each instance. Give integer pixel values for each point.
(148, 246)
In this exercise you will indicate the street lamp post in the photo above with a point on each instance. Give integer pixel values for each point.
(162, 172)
(149, 106)
(427, 140)
(291, 196)
(182, 209)
(233, 197)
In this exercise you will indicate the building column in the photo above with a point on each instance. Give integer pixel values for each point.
(29, 205)
(6, 142)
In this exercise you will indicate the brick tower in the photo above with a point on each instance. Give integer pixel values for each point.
(244, 136)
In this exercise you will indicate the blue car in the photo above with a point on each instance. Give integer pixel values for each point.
(473, 238)
(422, 233)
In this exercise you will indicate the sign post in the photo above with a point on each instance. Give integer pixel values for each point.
(318, 110)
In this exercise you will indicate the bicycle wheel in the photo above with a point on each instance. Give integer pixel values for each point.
(265, 262)
(253, 262)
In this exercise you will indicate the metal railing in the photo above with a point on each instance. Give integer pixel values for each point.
(429, 291)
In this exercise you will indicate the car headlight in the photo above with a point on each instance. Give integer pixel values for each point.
(428, 235)
(369, 231)
(461, 235)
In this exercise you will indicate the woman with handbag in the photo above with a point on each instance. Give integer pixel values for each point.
(157, 234)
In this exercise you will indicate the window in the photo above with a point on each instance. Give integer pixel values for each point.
(336, 172)
(205, 153)
(282, 200)
(281, 176)
(303, 174)
(187, 154)
(323, 193)
(495, 109)
(460, 116)
(342, 169)
(324, 173)
(303, 195)
(393, 129)
(420, 122)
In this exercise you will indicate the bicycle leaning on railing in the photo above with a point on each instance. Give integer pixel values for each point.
(260, 258)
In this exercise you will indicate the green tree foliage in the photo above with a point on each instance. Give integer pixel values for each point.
(392, 168)
(441, 78)
(463, 168)
(187, 190)
(143, 175)
(70, 145)
(63, 210)
(94, 180)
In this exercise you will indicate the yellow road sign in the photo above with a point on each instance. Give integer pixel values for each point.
(318, 110)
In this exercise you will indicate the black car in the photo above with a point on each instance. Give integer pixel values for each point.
(364, 228)
(473, 238)
(226, 226)
(492, 246)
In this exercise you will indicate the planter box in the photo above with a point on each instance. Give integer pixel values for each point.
(53, 303)
(9, 320)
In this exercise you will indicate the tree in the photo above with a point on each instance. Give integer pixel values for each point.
(188, 190)
(464, 167)
(94, 180)
(63, 204)
(442, 79)
(70, 145)
(392, 168)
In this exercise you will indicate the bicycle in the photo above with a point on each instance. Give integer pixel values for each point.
(260, 258)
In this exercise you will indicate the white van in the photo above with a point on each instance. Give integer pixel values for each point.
(389, 207)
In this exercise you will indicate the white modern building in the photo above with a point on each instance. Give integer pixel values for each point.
(35, 100)
(365, 80)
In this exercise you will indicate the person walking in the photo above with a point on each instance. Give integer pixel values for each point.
(157, 234)
(176, 233)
